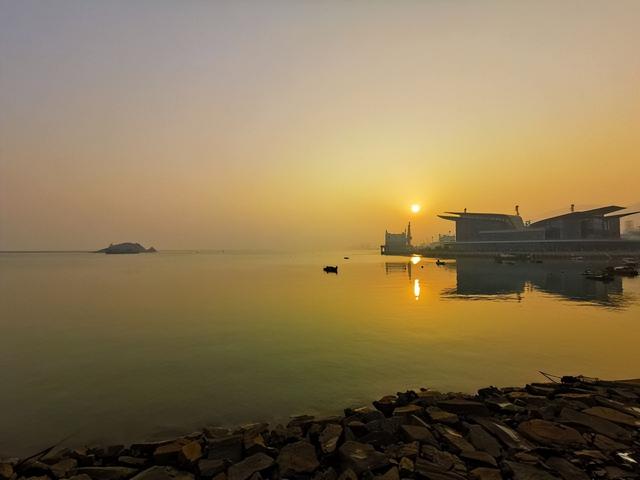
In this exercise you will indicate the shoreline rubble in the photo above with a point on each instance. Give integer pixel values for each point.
(576, 429)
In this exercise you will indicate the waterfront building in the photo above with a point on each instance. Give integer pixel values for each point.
(397, 243)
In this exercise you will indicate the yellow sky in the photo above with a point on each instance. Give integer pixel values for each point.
(295, 123)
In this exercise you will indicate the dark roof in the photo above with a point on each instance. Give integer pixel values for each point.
(595, 212)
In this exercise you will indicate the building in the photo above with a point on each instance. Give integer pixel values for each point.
(397, 243)
(595, 224)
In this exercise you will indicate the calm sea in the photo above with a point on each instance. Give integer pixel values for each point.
(115, 348)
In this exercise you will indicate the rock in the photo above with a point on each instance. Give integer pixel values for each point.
(107, 473)
(528, 399)
(479, 457)
(55, 455)
(168, 453)
(613, 416)
(566, 469)
(364, 414)
(522, 471)
(481, 440)
(329, 437)
(606, 444)
(407, 410)
(406, 466)
(439, 459)
(209, 468)
(460, 406)
(250, 465)
(162, 473)
(297, 458)
(391, 474)
(227, 447)
(216, 432)
(615, 473)
(482, 473)
(597, 424)
(506, 435)
(455, 439)
(64, 466)
(550, 433)
(386, 404)
(414, 433)
(190, 453)
(132, 461)
(6, 471)
(438, 415)
(361, 457)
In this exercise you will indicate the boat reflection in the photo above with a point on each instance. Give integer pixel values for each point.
(485, 279)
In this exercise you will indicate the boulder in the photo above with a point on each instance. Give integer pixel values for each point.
(597, 424)
(168, 453)
(438, 415)
(297, 458)
(361, 457)
(209, 468)
(455, 439)
(227, 447)
(613, 416)
(163, 473)
(134, 462)
(63, 467)
(391, 474)
(415, 433)
(551, 433)
(190, 453)
(329, 437)
(509, 437)
(479, 457)
(6, 471)
(484, 441)
(407, 410)
(250, 465)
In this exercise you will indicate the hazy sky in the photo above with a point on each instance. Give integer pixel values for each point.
(211, 124)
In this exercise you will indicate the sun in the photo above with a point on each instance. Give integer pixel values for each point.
(415, 208)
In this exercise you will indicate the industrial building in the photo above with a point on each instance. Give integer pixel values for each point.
(596, 224)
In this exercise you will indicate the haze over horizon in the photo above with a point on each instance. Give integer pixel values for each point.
(307, 124)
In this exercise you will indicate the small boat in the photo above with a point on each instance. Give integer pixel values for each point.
(632, 262)
(623, 270)
(440, 262)
(346, 258)
(588, 271)
(577, 259)
(602, 276)
(331, 269)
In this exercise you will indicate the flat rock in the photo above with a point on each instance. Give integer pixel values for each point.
(167, 453)
(329, 437)
(613, 416)
(433, 471)
(211, 467)
(107, 473)
(361, 457)
(482, 473)
(415, 433)
(551, 433)
(410, 409)
(158, 472)
(505, 434)
(64, 466)
(461, 406)
(436, 414)
(250, 465)
(455, 439)
(479, 457)
(522, 471)
(134, 462)
(597, 424)
(297, 458)
(566, 469)
(227, 447)
(484, 441)
(191, 452)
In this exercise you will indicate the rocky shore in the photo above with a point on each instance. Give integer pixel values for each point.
(577, 428)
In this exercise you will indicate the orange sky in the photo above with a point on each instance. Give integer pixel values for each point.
(298, 123)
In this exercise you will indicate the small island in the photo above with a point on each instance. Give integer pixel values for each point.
(127, 247)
